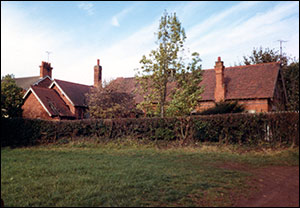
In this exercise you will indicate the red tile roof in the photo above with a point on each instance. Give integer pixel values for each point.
(51, 100)
(242, 82)
(75, 92)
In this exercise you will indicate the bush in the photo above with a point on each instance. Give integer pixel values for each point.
(280, 128)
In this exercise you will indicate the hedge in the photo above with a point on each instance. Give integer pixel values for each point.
(241, 128)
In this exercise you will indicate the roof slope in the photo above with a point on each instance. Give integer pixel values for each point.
(75, 92)
(52, 102)
(26, 82)
(242, 82)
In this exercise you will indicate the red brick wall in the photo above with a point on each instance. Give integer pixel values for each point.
(33, 109)
(258, 105)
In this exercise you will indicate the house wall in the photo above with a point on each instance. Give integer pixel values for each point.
(33, 109)
(257, 105)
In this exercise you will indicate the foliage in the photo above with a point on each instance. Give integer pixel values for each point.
(224, 107)
(187, 93)
(109, 102)
(291, 78)
(11, 97)
(162, 69)
(267, 55)
(273, 129)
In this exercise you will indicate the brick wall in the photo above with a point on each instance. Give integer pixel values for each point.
(257, 105)
(32, 108)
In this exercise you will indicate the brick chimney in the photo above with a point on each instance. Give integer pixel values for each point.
(220, 85)
(45, 69)
(97, 74)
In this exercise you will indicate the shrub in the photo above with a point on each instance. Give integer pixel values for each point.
(280, 128)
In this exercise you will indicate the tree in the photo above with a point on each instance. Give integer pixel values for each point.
(110, 102)
(259, 56)
(290, 69)
(291, 78)
(11, 97)
(165, 65)
(187, 92)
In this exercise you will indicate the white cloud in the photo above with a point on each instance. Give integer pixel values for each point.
(86, 6)
(240, 37)
(115, 22)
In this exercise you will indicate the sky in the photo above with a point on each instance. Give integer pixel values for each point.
(119, 33)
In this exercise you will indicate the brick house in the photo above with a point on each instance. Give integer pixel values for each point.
(53, 99)
(260, 87)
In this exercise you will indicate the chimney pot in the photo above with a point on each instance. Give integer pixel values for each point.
(98, 62)
(219, 58)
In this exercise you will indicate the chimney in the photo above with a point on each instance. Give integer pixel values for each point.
(220, 85)
(97, 74)
(45, 69)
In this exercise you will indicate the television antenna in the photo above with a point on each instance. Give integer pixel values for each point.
(48, 53)
(281, 41)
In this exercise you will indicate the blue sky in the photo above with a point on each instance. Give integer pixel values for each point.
(120, 33)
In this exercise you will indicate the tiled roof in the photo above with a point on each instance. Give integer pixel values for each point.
(75, 92)
(242, 82)
(26, 82)
(51, 100)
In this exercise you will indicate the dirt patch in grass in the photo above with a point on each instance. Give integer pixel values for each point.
(273, 186)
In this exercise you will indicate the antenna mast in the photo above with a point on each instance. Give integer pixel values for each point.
(48, 52)
(281, 41)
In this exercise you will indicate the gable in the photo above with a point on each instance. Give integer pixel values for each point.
(74, 92)
(50, 100)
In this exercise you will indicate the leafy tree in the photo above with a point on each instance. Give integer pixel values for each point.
(267, 55)
(11, 97)
(224, 107)
(187, 93)
(291, 78)
(166, 66)
(110, 102)
(290, 69)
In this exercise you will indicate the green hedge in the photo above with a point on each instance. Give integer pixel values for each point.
(256, 129)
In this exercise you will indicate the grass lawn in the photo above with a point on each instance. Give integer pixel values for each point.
(128, 175)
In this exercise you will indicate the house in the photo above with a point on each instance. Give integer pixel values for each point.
(54, 99)
(260, 87)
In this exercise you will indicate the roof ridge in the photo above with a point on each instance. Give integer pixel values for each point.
(72, 82)
(26, 77)
(253, 65)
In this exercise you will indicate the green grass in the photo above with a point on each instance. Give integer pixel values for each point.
(128, 174)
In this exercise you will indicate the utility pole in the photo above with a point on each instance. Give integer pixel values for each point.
(281, 41)
(48, 52)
